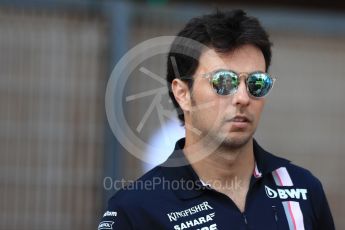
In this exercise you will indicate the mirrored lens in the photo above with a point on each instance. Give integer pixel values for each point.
(259, 84)
(224, 82)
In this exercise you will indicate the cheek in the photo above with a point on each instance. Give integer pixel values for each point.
(258, 107)
(203, 95)
(206, 105)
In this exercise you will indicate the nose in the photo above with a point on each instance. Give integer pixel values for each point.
(241, 97)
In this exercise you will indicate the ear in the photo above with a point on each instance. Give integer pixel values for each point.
(181, 92)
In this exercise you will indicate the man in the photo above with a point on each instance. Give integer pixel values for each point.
(226, 180)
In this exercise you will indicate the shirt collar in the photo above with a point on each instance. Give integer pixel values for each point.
(265, 162)
(190, 186)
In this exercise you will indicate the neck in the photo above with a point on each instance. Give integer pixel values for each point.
(224, 164)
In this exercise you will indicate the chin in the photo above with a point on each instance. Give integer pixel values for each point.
(236, 141)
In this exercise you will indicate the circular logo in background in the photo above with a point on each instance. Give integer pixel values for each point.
(132, 61)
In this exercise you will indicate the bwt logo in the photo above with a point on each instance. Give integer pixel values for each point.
(294, 193)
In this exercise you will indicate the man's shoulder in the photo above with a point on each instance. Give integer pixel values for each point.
(302, 176)
(139, 190)
(286, 170)
(130, 202)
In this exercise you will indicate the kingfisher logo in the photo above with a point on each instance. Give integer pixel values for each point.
(293, 193)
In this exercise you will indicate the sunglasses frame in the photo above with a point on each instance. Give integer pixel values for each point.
(210, 76)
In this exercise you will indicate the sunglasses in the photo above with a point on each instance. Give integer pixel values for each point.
(226, 82)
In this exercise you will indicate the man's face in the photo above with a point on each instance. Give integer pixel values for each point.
(230, 120)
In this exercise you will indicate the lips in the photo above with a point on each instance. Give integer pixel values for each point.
(240, 119)
(239, 123)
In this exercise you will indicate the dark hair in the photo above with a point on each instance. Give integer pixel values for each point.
(222, 31)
